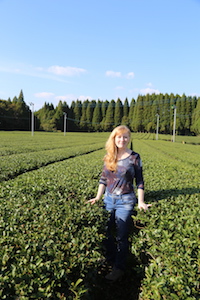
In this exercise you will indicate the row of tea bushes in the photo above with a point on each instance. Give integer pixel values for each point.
(49, 237)
(13, 165)
(23, 142)
(170, 240)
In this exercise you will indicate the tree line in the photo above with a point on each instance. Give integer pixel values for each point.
(140, 115)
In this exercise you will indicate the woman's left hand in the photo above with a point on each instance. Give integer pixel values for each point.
(144, 206)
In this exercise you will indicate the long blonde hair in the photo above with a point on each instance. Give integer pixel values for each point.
(110, 158)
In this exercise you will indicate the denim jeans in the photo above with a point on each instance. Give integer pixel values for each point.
(120, 208)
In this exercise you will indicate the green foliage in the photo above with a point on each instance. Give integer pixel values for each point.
(109, 118)
(50, 239)
(170, 240)
(196, 119)
(118, 113)
(97, 117)
(14, 114)
(94, 115)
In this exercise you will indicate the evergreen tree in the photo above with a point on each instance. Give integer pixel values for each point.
(188, 115)
(46, 117)
(77, 113)
(66, 109)
(173, 101)
(97, 117)
(20, 113)
(161, 110)
(6, 115)
(104, 108)
(21, 97)
(89, 114)
(147, 105)
(137, 123)
(15, 100)
(131, 114)
(182, 114)
(166, 114)
(58, 116)
(194, 103)
(179, 127)
(109, 119)
(83, 121)
(118, 113)
(125, 119)
(141, 114)
(196, 118)
(71, 118)
(152, 125)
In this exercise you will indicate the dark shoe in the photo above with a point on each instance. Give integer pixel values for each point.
(115, 274)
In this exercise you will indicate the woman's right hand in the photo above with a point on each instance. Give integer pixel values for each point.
(92, 201)
(99, 194)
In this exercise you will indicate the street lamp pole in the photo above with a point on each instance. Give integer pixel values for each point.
(32, 118)
(65, 122)
(157, 126)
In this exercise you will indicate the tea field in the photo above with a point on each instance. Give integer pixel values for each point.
(51, 240)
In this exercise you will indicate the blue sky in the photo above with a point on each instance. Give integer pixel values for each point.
(84, 49)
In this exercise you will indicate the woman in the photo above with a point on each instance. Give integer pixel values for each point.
(121, 166)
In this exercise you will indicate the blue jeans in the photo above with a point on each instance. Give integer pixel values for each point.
(120, 208)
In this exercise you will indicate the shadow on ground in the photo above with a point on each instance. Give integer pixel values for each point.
(152, 196)
(127, 288)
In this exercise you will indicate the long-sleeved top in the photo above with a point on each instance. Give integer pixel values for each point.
(122, 181)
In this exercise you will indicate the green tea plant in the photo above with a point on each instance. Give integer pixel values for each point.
(170, 239)
(51, 240)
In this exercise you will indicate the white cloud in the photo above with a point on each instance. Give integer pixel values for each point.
(149, 91)
(72, 97)
(82, 98)
(45, 95)
(113, 74)
(130, 75)
(65, 71)
(69, 97)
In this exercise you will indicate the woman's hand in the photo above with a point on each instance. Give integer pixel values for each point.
(144, 206)
(101, 190)
(141, 203)
(92, 201)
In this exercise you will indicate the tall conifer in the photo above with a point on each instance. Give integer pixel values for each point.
(89, 114)
(118, 114)
(77, 113)
(109, 119)
(97, 117)
(125, 120)
(83, 120)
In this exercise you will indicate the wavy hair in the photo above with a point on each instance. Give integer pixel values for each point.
(110, 158)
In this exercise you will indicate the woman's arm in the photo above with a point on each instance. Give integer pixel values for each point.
(141, 203)
(100, 192)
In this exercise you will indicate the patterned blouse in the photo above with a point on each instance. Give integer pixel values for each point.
(121, 181)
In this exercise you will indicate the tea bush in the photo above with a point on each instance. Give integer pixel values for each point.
(51, 240)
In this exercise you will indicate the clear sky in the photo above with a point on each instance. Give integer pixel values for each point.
(85, 49)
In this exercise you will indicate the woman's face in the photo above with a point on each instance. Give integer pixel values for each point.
(122, 140)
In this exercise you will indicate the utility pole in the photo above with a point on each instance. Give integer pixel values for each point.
(174, 125)
(157, 126)
(65, 122)
(32, 118)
